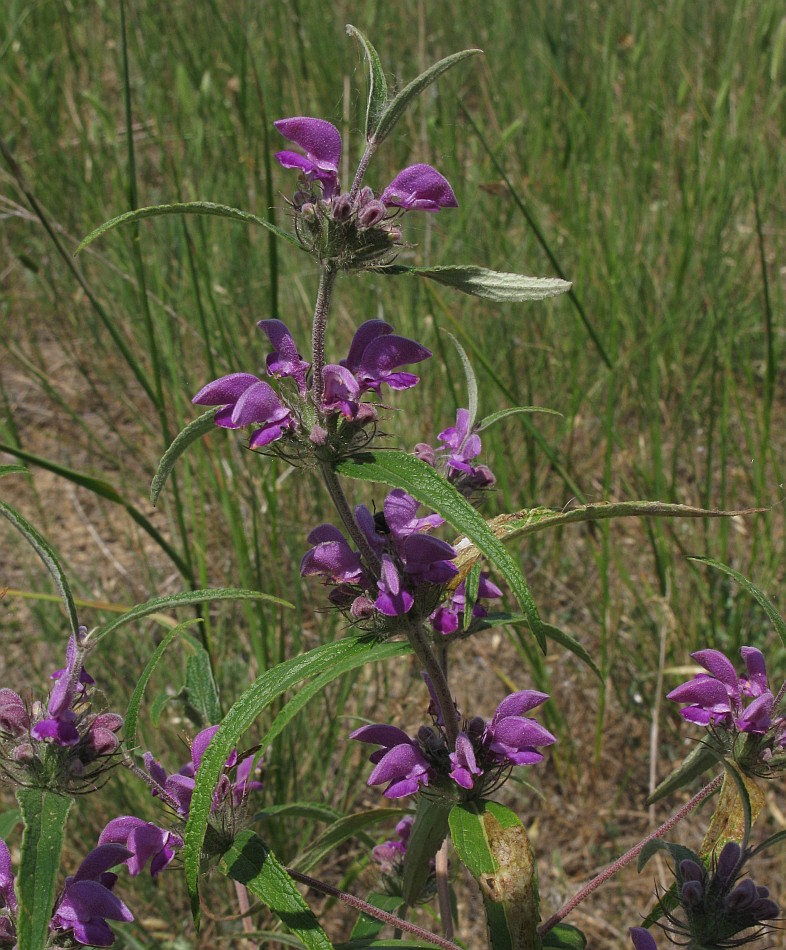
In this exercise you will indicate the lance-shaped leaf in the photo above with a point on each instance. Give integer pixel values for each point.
(48, 556)
(493, 417)
(428, 831)
(493, 844)
(521, 524)
(184, 599)
(472, 383)
(44, 814)
(190, 434)
(184, 207)
(340, 831)
(377, 84)
(698, 760)
(490, 284)
(564, 937)
(560, 637)
(250, 862)
(422, 482)
(399, 103)
(761, 598)
(342, 655)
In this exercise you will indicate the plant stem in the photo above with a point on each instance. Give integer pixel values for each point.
(319, 327)
(443, 890)
(626, 858)
(361, 170)
(417, 636)
(339, 499)
(372, 911)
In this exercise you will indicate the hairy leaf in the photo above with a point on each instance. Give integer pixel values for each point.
(698, 760)
(377, 84)
(184, 207)
(190, 434)
(428, 832)
(489, 284)
(472, 383)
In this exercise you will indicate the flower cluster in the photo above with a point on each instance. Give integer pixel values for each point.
(375, 358)
(460, 445)
(390, 857)
(735, 707)
(484, 750)
(65, 744)
(230, 795)
(87, 900)
(351, 229)
(716, 908)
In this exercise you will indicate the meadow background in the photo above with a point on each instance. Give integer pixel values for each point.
(636, 149)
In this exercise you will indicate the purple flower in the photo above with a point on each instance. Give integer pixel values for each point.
(642, 939)
(284, 361)
(460, 446)
(332, 557)
(7, 894)
(341, 393)
(87, 901)
(465, 766)
(511, 737)
(419, 188)
(719, 697)
(144, 841)
(449, 617)
(321, 141)
(14, 718)
(400, 761)
(247, 400)
(390, 854)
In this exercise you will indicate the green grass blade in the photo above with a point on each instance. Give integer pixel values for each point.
(377, 83)
(512, 411)
(399, 103)
(48, 556)
(341, 831)
(184, 207)
(184, 599)
(45, 816)
(186, 437)
(422, 482)
(13, 470)
(250, 862)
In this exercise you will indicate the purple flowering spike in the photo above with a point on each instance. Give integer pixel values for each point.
(145, 840)
(100, 860)
(419, 188)
(720, 667)
(400, 515)
(464, 445)
(333, 559)
(385, 354)
(260, 404)
(757, 716)
(341, 391)
(284, 361)
(324, 532)
(514, 739)
(365, 333)
(463, 761)
(642, 939)
(404, 767)
(102, 731)
(7, 894)
(60, 731)
(67, 685)
(85, 907)
(708, 698)
(225, 392)
(393, 600)
(14, 720)
(518, 703)
(756, 683)
(321, 141)
(380, 734)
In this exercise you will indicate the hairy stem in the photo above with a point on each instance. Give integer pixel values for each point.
(626, 858)
(339, 499)
(417, 636)
(319, 328)
(372, 911)
(361, 170)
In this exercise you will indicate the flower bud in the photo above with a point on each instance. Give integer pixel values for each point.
(371, 214)
(342, 208)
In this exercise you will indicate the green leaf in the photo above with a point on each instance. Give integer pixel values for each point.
(553, 633)
(339, 832)
(489, 284)
(677, 853)
(308, 692)
(184, 599)
(249, 861)
(48, 556)
(377, 84)
(425, 839)
(773, 839)
(399, 103)
(529, 521)
(185, 207)
(266, 688)
(192, 432)
(493, 844)
(201, 690)
(422, 482)
(366, 926)
(104, 490)
(471, 586)
(44, 814)
(512, 411)
(314, 811)
(564, 937)
(698, 760)
(472, 383)
(132, 712)
(761, 598)
(8, 821)
(13, 470)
